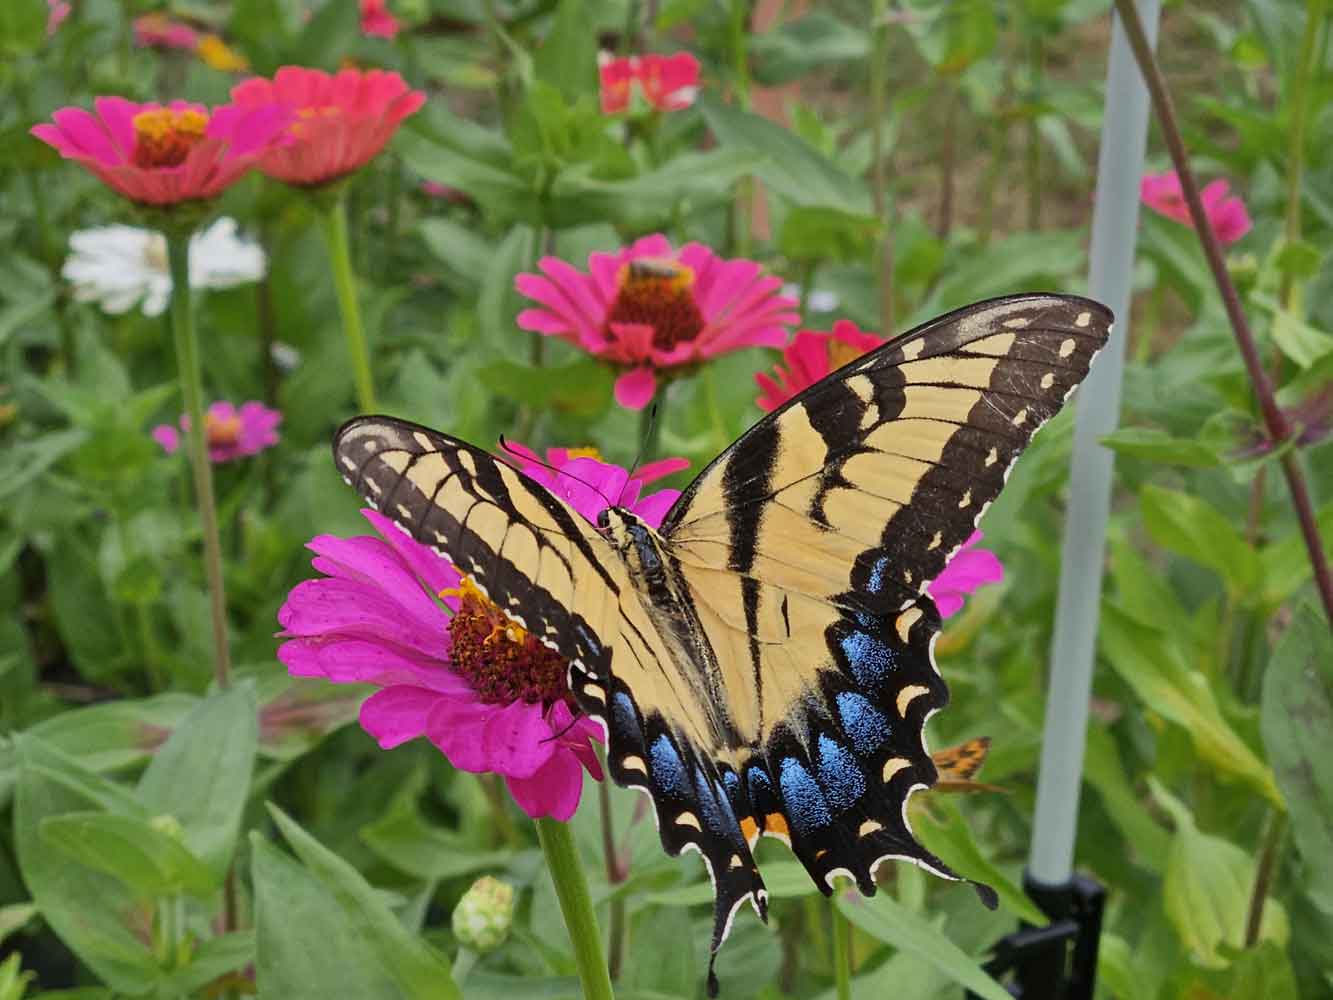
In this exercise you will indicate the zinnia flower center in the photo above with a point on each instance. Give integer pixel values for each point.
(164, 137)
(218, 54)
(658, 293)
(222, 432)
(504, 662)
(841, 353)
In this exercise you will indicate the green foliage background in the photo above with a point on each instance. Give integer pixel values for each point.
(129, 789)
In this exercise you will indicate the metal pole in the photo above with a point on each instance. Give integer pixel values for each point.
(1114, 224)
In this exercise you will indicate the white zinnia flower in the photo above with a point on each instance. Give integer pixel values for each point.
(119, 266)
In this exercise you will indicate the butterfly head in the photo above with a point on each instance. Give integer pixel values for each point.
(637, 543)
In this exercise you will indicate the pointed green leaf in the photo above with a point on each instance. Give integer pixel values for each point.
(418, 969)
(1297, 719)
(567, 59)
(201, 776)
(888, 920)
(1207, 888)
(148, 860)
(1199, 531)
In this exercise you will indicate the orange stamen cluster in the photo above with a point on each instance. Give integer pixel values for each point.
(305, 117)
(222, 431)
(840, 353)
(503, 661)
(660, 294)
(163, 137)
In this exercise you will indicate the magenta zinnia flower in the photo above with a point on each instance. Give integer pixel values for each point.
(157, 31)
(969, 569)
(339, 122)
(810, 356)
(159, 155)
(666, 83)
(449, 664)
(56, 12)
(648, 307)
(231, 433)
(1226, 214)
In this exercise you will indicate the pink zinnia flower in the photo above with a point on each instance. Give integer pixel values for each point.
(156, 31)
(580, 478)
(231, 433)
(649, 307)
(666, 83)
(163, 155)
(450, 666)
(1226, 214)
(810, 356)
(57, 11)
(969, 569)
(341, 121)
(376, 21)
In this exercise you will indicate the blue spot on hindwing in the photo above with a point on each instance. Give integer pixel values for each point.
(869, 657)
(624, 719)
(877, 570)
(803, 803)
(863, 723)
(839, 774)
(708, 804)
(668, 768)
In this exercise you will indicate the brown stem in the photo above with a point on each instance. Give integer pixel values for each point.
(1263, 875)
(1275, 421)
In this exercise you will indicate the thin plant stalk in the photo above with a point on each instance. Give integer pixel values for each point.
(187, 359)
(1274, 837)
(1275, 421)
(334, 222)
(616, 872)
(1305, 70)
(840, 930)
(879, 174)
(571, 888)
(650, 427)
(1036, 57)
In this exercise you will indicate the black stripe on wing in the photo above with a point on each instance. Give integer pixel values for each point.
(507, 532)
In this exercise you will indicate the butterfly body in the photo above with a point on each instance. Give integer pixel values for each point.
(763, 663)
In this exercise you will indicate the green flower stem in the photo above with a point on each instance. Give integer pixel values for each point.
(1305, 71)
(334, 221)
(841, 932)
(879, 178)
(571, 886)
(187, 358)
(650, 427)
(616, 872)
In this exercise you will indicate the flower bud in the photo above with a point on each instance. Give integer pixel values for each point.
(483, 916)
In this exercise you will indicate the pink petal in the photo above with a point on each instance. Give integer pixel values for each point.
(397, 714)
(552, 791)
(168, 437)
(457, 727)
(654, 507)
(634, 389)
(660, 469)
(517, 740)
(436, 572)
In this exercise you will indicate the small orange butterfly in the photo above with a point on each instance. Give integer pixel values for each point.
(957, 765)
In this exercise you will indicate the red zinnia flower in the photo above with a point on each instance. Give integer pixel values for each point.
(649, 307)
(810, 356)
(666, 83)
(1227, 215)
(449, 664)
(376, 21)
(163, 155)
(341, 122)
(156, 31)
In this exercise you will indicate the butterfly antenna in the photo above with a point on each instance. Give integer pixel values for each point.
(643, 441)
(535, 460)
(578, 714)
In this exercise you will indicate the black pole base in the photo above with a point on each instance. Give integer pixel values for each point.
(1058, 961)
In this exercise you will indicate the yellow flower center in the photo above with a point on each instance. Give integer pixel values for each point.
(502, 660)
(657, 292)
(222, 432)
(840, 353)
(588, 452)
(164, 137)
(221, 56)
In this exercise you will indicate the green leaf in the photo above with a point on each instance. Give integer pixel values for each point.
(1199, 531)
(115, 734)
(329, 34)
(1155, 445)
(1207, 888)
(417, 969)
(213, 958)
(13, 916)
(804, 44)
(405, 840)
(85, 908)
(942, 829)
(816, 234)
(1298, 340)
(1153, 665)
(497, 189)
(201, 776)
(791, 167)
(567, 59)
(1297, 718)
(1262, 971)
(460, 248)
(888, 920)
(785, 880)
(582, 388)
(498, 302)
(24, 461)
(22, 26)
(1286, 562)
(149, 861)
